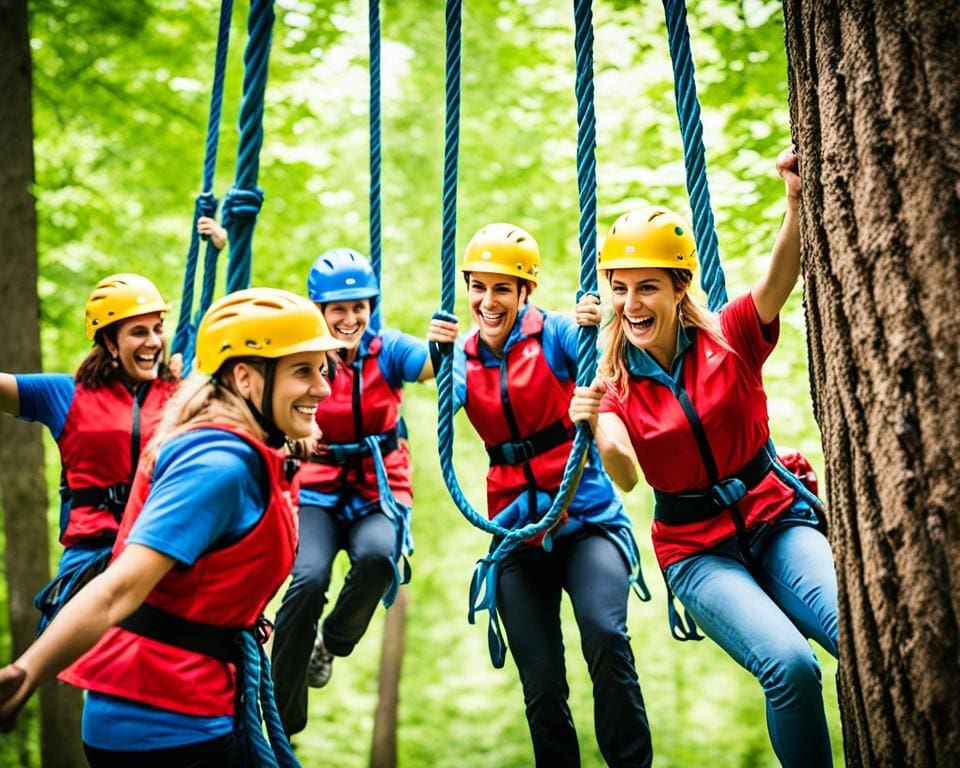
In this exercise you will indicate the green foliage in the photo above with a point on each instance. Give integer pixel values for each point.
(120, 109)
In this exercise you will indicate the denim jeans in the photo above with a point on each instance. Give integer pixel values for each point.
(591, 568)
(369, 543)
(763, 620)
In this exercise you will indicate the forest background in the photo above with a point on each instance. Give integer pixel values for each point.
(121, 95)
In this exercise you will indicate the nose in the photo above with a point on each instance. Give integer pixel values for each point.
(155, 339)
(320, 387)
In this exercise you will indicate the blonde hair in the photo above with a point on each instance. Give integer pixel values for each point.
(201, 399)
(613, 359)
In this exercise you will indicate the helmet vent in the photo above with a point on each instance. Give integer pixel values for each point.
(351, 281)
(655, 214)
(253, 344)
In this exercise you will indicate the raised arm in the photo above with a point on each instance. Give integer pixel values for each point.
(772, 290)
(438, 332)
(9, 395)
(105, 601)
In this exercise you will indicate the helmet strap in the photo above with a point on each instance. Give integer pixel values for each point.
(275, 436)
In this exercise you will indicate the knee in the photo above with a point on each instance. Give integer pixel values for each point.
(373, 567)
(310, 580)
(791, 677)
(604, 643)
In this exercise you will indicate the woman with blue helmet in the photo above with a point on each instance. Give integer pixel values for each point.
(354, 491)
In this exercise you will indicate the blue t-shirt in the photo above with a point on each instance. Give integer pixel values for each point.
(208, 490)
(46, 397)
(401, 359)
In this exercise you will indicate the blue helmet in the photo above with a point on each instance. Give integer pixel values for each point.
(342, 274)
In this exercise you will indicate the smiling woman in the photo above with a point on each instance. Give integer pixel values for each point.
(207, 539)
(101, 420)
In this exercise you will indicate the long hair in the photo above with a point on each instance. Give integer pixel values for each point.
(613, 359)
(202, 399)
(99, 368)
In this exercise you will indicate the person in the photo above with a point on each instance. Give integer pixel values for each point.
(737, 536)
(101, 418)
(355, 491)
(208, 537)
(515, 376)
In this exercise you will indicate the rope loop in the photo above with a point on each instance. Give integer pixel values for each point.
(241, 205)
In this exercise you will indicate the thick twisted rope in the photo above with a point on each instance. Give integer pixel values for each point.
(376, 155)
(483, 588)
(694, 155)
(259, 706)
(205, 205)
(242, 203)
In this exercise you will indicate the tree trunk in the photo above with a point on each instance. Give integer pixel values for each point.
(23, 495)
(383, 748)
(875, 104)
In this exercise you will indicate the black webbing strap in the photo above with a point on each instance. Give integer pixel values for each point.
(342, 453)
(139, 395)
(541, 441)
(697, 506)
(165, 627)
(110, 497)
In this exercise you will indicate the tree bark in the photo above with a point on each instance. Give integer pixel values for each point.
(383, 748)
(23, 496)
(875, 106)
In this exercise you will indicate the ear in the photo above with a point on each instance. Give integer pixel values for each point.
(112, 349)
(242, 375)
(678, 296)
(525, 290)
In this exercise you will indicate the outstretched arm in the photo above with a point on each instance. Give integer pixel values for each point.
(9, 394)
(104, 602)
(771, 291)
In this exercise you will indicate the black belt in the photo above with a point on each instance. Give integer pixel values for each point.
(338, 454)
(110, 497)
(165, 627)
(698, 506)
(519, 451)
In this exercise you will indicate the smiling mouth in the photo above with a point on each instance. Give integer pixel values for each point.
(306, 410)
(492, 319)
(639, 325)
(147, 359)
(348, 333)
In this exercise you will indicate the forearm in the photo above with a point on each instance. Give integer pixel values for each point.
(618, 460)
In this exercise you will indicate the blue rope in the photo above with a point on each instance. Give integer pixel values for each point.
(256, 684)
(694, 155)
(483, 588)
(376, 154)
(242, 203)
(205, 204)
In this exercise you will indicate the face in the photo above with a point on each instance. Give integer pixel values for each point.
(646, 305)
(299, 384)
(347, 320)
(139, 346)
(495, 301)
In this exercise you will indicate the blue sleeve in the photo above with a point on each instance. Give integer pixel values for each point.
(45, 397)
(401, 358)
(459, 375)
(560, 344)
(207, 489)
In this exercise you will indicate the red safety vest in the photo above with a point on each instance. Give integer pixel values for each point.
(228, 587)
(358, 407)
(725, 387)
(534, 399)
(95, 448)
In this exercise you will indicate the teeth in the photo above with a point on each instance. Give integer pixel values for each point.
(308, 410)
(492, 318)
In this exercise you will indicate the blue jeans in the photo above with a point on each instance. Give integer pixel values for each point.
(764, 620)
(592, 570)
(369, 544)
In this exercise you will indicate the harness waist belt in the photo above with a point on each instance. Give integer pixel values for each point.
(697, 506)
(209, 639)
(519, 451)
(342, 453)
(112, 497)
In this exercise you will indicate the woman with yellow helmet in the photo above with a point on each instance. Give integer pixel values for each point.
(101, 419)
(737, 536)
(515, 376)
(208, 537)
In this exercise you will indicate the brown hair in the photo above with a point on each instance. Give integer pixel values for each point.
(100, 368)
(613, 359)
(202, 399)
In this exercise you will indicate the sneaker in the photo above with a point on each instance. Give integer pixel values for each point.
(320, 667)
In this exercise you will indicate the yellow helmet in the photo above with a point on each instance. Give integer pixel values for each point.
(260, 322)
(649, 237)
(121, 296)
(503, 249)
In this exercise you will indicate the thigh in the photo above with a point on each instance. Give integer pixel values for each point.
(372, 534)
(799, 575)
(528, 599)
(597, 579)
(222, 752)
(320, 540)
(734, 611)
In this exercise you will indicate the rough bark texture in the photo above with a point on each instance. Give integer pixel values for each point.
(23, 495)
(383, 749)
(875, 103)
